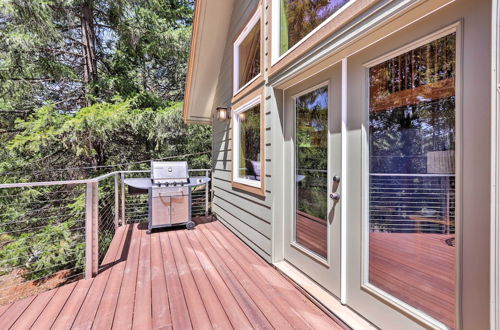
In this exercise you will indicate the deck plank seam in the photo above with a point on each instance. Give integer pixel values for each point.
(165, 243)
(43, 310)
(96, 279)
(203, 297)
(19, 314)
(233, 241)
(176, 260)
(239, 258)
(130, 261)
(194, 239)
(124, 245)
(245, 287)
(223, 267)
(206, 275)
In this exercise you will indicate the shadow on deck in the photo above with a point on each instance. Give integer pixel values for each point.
(204, 278)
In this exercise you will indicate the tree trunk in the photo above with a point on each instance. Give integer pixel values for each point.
(88, 44)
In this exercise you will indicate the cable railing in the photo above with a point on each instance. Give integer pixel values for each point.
(55, 232)
(42, 237)
(412, 203)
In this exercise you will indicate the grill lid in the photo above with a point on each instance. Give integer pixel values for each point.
(169, 172)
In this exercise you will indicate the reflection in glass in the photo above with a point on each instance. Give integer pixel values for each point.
(249, 123)
(249, 56)
(311, 163)
(412, 178)
(299, 17)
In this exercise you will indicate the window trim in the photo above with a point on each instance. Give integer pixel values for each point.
(252, 186)
(277, 63)
(255, 19)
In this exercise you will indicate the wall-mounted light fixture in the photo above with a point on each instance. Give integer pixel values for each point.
(223, 113)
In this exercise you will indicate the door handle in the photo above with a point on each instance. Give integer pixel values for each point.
(335, 196)
(336, 178)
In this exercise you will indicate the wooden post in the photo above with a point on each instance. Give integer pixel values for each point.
(117, 201)
(91, 230)
(207, 191)
(95, 228)
(88, 231)
(124, 222)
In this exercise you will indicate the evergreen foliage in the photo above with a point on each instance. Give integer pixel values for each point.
(84, 85)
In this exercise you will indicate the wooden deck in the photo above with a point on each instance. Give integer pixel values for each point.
(177, 279)
(419, 269)
(414, 267)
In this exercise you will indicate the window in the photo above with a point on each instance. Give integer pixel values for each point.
(298, 18)
(412, 141)
(247, 144)
(247, 54)
(311, 167)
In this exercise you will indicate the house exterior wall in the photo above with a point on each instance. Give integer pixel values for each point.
(258, 220)
(248, 215)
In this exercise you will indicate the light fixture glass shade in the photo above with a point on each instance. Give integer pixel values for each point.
(222, 113)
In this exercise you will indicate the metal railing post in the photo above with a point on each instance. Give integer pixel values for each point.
(124, 222)
(207, 192)
(117, 201)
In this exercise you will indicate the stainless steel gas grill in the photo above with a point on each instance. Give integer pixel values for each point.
(169, 190)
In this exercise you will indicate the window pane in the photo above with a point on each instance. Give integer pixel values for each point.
(299, 17)
(249, 51)
(412, 178)
(311, 167)
(250, 144)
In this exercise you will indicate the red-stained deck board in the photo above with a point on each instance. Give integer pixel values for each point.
(125, 307)
(53, 308)
(106, 311)
(88, 310)
(178, 306)
(249, 307)
(142, 304)
(4, 308)
(31, 313)
(234, 312)
(12, 314)
(213, 306)
(285, 290)
(159, 297)
(258, 294)
(176, 279)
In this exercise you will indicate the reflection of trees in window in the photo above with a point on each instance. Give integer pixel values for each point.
(299, 17)
(401, 138)
(412, 107)
(249, 51)
(412, 140)
(250, 144)
(312, 150)
(420, 75)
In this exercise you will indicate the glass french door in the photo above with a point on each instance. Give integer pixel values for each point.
(406, 237)
(312, 241)
(413, 128)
